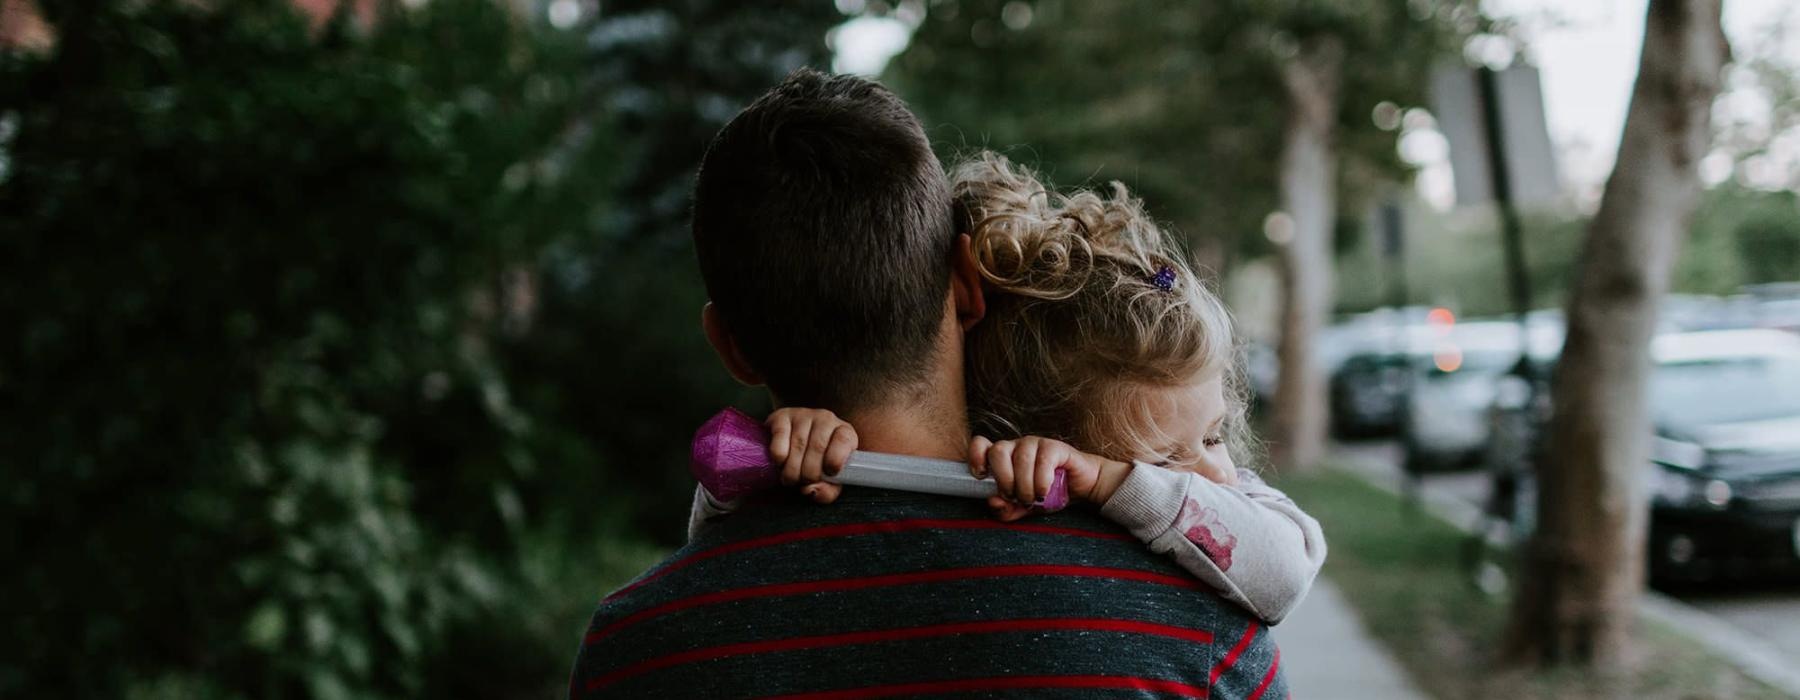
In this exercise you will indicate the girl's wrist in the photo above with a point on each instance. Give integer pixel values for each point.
(1112, 474)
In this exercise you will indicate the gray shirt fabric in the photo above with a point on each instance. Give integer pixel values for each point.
(887, 594)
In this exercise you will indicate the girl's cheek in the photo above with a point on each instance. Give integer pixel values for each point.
(1221, 457)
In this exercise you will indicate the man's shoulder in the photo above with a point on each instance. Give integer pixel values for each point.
(876, 532)
(873, 530)
(775, 589)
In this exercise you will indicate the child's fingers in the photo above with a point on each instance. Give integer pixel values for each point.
(1050, 458)
(838, 449)
(999, 461)
(1009, 511)
(1024, 488)
(780, 426)
(823, 492)
(978, 449)
(1004, 509)
(812, 466)
(796, 457)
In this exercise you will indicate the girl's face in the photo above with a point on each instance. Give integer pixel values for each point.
(1193, 418)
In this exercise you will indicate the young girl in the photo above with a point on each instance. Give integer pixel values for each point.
(1100, 343)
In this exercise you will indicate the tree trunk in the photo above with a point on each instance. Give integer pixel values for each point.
(1302, 231)
(1584, 568)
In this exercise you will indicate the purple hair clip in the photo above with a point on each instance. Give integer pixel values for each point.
(1164, 279)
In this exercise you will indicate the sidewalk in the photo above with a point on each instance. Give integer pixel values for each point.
(1327, 655)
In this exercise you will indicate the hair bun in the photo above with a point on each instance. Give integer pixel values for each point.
(1033, 242)
(1023, 242)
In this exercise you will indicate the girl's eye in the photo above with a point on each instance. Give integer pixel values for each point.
(1213, 441)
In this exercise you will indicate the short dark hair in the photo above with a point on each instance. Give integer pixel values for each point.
(823, 226)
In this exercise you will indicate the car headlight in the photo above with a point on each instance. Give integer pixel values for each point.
(1681, 487)
(1717, 493)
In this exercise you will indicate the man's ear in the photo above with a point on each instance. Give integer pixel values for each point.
(726, 346)
(965, 284)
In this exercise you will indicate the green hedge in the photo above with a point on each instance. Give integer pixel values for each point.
(261, 439)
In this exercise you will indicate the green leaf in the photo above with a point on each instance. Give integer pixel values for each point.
(266, 627)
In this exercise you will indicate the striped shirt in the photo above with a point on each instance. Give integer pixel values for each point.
(888, 594)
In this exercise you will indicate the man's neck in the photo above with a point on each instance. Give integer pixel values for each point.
(916, 429)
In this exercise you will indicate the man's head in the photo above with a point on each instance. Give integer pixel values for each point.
(822, 222)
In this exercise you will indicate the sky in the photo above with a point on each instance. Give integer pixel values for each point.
(1586, 51)
(1587, 54)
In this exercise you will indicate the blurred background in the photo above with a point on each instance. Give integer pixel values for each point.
(352, 350)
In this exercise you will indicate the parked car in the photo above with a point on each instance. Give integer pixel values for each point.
(1725, 460)
(1381, 352)
(1368, 393)
(1726, 485)
(1445, 422)
(1685, 313)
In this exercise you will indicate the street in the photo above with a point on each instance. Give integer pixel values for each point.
(1768, 612)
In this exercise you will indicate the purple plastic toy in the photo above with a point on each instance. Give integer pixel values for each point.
(731, 456)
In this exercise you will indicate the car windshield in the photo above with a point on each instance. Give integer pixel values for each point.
(1726, 390)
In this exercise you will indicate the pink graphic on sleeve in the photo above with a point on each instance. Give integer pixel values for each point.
(1202, 527)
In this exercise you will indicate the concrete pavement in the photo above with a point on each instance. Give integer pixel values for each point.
(1772, 615)
(1328, 655)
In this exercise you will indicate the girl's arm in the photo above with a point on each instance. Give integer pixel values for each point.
(1249, 541)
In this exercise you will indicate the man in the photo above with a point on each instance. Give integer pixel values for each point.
(824, 231)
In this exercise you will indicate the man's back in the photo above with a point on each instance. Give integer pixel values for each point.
(887, 593)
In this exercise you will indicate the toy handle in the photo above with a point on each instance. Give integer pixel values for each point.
(730, 459)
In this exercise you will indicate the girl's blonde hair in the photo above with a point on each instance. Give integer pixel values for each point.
(1078, 322)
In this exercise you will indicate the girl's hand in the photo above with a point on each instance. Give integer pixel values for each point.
(809, 444)
(1024, 469)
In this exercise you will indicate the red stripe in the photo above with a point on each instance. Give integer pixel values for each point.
(850, 584)
(1267, 677)
(904, 633)
(1232, 657)
(851, 529)
(975, 685)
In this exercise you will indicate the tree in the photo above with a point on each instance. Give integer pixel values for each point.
(1090, 92)
(1335, 60)
(1312, 83)
(257, 444)
(673, 73)
(1748, 134)
(1769, 245)
(1584, 568)
(334, 337)
(1216, 113)
(626, 295)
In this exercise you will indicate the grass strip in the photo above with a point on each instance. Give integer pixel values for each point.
(1400, 569)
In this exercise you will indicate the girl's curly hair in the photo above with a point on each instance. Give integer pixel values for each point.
(1078, 322)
